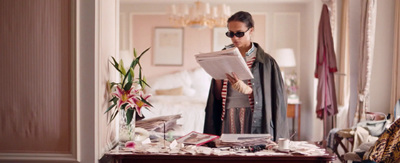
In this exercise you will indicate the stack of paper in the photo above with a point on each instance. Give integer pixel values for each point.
(220, 63)
(229, 140)
(159, 124)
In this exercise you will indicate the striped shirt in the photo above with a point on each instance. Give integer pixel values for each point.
(250, 57)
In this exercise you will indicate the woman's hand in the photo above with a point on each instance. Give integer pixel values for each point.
(238, 84)
(232, 79)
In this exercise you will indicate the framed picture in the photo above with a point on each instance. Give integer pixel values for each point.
(196, 138)
(168, 46)
(219, 38)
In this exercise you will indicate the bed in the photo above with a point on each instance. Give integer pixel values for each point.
(184, 92)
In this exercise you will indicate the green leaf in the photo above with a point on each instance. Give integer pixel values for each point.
(144, 52)
(123, 106)
(128, 86)
(126, 76)
(115, 64)
(145, 81)
(114, 114)
(121, 67)
(140, 78)
(134, 63)
(134, 53)
(129, 116)
(112, 84)
(114, 99)
(109, 108)
(146, 102)
(136, 60)
(132, 73)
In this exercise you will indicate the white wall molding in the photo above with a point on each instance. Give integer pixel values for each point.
(37, 157)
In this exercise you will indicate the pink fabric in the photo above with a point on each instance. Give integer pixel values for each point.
(325, 67)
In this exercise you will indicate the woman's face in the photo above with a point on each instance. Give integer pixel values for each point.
(237, 26)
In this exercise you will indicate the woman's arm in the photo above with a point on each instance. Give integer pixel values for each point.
(238, 84)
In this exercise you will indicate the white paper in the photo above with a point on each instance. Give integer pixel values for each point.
(220, 63)
(173, 144)
(242, 137)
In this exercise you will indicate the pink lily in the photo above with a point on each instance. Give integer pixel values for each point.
(123, 96)
(130, 144)
(138, 103)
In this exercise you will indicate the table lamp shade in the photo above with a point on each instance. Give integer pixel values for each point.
(285, 57)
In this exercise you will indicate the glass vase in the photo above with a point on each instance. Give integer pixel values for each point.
(126, 131)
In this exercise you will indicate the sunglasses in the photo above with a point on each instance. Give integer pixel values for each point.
(237, 34)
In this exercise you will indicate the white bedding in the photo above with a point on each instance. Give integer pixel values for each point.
(190, 104)
(190, 108)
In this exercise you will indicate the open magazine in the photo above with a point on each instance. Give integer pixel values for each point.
(220, 63)
(196, 138)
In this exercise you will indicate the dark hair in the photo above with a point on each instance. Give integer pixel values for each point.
(244, 17)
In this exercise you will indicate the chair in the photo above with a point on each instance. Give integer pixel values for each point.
(387, 147)
(365, 131)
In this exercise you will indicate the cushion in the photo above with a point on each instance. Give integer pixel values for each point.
(173, 91)
(201, 81)
(170, 81)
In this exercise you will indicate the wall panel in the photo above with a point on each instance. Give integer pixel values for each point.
(37, 106)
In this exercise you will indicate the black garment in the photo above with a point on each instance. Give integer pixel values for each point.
(270, 100)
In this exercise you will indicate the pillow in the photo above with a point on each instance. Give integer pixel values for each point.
(170, 81)
(173, 91)
(201, 81)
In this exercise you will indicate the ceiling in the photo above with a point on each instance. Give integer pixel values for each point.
(212, 1)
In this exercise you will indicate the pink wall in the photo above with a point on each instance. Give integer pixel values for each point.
(35, 83)
(195, 41)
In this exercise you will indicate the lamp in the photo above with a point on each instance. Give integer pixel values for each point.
(285, 58)
(199, 15)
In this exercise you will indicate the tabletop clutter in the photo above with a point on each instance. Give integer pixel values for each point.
(195, 143)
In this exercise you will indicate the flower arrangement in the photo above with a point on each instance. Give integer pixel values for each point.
(291, 82)
(128, 94)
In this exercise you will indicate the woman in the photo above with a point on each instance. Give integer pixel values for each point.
(251, 106)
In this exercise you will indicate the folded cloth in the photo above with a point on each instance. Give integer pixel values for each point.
(358, 153)
(331, 137)
(352, 156)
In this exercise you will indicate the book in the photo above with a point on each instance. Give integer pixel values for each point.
(218, 64)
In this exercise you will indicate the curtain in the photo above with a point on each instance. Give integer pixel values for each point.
(344, 68)
(395, 95)
(367, 41)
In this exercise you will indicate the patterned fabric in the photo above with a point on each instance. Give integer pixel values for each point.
(387, 147)
(225, 88)
(237, 121)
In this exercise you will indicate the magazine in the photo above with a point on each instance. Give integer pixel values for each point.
(196, 138)
(220, 63)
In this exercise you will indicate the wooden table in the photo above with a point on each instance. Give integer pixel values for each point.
(293, 111)
(154, 158)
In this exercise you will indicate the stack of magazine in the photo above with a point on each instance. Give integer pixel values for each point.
(220, 63)
(231, 140)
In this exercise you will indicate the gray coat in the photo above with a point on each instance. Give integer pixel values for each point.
(270, 100)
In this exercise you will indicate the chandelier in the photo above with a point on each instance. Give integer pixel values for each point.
(199, 15)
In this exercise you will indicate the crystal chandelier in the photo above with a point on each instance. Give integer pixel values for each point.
(199, 15)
